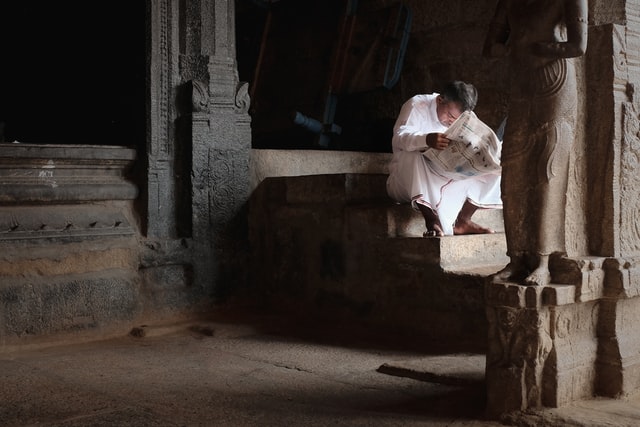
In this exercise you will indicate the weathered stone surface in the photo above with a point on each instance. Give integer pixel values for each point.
(34, 310)
(575, 349)
(274, 163)
(356, 266)
(69, 222)
(619, 356)
(34, 173)
(68, 242)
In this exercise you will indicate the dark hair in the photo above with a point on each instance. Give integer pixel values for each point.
(461, 93)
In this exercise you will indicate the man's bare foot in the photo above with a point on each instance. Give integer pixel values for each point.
(433, 231)
(431, 221)
(470, 227)
(539, 277)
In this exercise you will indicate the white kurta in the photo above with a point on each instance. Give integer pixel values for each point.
(411, 177)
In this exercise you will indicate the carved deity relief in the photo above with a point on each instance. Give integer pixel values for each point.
(520, 334)
(520, 341)
(539, 38)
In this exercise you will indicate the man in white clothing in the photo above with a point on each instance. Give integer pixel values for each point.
(447, 204)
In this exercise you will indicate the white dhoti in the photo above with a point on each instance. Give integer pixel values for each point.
(412, 179)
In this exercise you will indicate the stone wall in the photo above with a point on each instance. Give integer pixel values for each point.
(68, 242)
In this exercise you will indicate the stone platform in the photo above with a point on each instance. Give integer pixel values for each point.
(335, 245)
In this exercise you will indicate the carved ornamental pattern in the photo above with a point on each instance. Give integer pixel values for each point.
(630, 182)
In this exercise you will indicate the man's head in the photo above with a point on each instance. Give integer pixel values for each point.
(456, 97)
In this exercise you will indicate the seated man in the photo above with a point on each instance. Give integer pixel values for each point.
(446, 203)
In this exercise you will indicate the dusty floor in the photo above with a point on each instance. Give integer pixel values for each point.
(221, 373)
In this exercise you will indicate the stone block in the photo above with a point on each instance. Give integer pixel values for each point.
(622, 278)
(87, 306)
(491, 218)
(505, 295)
(573, 385)
(404, 221)
(626, 318)
(575, 342)
(367, 221)
(462, 252)
(585, 273)
(558, 294)
(336, 188)
(533, 296)
(284, 163)
(32, 173)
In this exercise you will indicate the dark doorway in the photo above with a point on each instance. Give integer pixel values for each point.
(73, 72)
(318, 70)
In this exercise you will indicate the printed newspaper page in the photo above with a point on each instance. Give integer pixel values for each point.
(474, 149)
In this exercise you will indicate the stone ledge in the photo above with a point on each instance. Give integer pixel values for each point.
(32, 173)
(508, 294)
(65, 222)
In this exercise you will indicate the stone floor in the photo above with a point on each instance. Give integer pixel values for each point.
(258, 372)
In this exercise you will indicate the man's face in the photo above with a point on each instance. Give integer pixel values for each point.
(447, 111)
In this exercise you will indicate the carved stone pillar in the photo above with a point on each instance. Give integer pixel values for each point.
(198, 153)
(163, 80)
(615, 184)
(221, 143)
(577, 338)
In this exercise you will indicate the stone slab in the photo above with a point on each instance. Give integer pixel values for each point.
(270, 163)
(464, 252)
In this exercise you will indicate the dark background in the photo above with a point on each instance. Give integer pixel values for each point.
(73, 72)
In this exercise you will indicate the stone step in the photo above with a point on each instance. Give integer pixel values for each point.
(462, 253)
(358, 205)
(469, 254)
(452, 253)
(337, 246)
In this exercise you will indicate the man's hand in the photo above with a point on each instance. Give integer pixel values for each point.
(437, 141)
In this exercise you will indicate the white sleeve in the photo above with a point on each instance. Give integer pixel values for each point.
(408, 134)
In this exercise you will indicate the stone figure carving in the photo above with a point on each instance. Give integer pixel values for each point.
(521, 346)
(540, 38)
(505, 322)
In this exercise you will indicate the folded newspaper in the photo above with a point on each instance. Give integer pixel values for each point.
(474, 149)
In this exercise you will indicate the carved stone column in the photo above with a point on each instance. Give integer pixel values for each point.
(577, 338)
(221, 139)
(615, 183)
(198, 154)
(163, 78)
